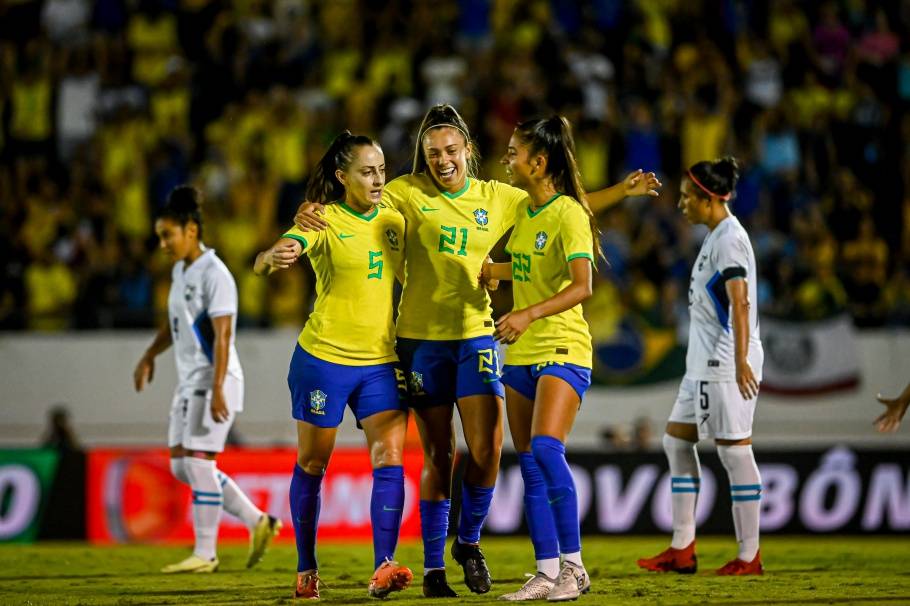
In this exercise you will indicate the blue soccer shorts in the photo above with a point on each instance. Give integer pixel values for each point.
(523, 379)
(320, 390)
(441, 372)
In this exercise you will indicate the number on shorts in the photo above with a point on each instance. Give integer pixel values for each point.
(488, 361)
(702, 395)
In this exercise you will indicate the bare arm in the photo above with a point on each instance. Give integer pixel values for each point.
(495, 271)
(637, 183)
(309, 216)
(513, 324)
(145, 369)
(890, 420)
(281, 255)
(738, 293)
(221, 351)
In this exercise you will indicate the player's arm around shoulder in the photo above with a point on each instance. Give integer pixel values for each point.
(281, 255)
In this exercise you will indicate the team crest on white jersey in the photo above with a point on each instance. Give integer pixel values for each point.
(392, 235)
(481, 216)
(416, 382)
(317, 402)
(540, 240)
(189, 291)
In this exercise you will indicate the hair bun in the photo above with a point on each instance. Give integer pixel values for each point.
(727, 168)
(184, 199)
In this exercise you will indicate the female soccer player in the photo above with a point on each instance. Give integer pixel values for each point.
(718, 394)
(548, 362)
(202, 312)
(345, 354)
(445, 332)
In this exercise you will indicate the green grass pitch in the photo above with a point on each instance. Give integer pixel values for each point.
(799, 570)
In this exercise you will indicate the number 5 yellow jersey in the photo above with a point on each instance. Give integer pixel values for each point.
(542, 245)
(449, 236)
(356, 260)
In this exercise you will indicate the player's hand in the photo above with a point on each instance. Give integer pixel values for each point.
(144, 372)
(308, 217)
(890, 420)
(484, 278)
(745, 379)
(640, 183)
(220, 412)
(280, 256)
(512, 325)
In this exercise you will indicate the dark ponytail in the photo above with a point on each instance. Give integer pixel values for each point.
(552, 137)
(324, 187)
(440, 116)
(715, 177)
(184, 205)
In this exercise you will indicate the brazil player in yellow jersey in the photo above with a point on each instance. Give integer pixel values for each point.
(345, 355)
(445, 328)
(548, 361)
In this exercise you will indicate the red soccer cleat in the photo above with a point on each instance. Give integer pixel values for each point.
(307, 585)
(737, 567)
(683, 561)
(389, 577)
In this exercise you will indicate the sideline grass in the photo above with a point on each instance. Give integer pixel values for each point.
(799, 570)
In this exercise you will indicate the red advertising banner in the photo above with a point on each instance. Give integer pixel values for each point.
(132, 496)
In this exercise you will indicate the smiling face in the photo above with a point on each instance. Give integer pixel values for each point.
(694, 206)
(446, 152)
(364, 178)
(175, 239)
(520, 165)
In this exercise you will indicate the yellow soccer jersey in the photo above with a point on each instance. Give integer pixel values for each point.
(356, 260)
(542, 244)
(449, 236)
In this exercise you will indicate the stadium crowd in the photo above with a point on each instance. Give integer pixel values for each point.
(106, 105)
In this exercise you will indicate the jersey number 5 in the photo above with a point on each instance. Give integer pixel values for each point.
(448, 240)
(375, 263)
(703, 395)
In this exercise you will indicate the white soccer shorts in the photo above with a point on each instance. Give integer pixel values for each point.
(717, 408)
(191, 424)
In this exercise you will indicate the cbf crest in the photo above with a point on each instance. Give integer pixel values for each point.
(481, 217)
(392, 236)
(317, 402)
(540, 240)
(416, 382)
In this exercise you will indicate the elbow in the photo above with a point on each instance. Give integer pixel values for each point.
(585, 291)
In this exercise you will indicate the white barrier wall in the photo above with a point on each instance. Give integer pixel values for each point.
(92, 374)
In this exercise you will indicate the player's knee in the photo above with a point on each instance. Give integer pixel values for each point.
(673, 445)
(178, 470)
(439, 456)
(315, 466)
(486, 455)
(385, 454)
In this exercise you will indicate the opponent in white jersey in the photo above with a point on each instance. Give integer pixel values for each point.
(717, 396)
(202, 311)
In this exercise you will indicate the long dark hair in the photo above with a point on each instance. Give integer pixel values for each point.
(715, 177)
(184, 205)
(439, 116)
(552, 137)
(324, 186)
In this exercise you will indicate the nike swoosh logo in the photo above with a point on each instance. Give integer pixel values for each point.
(387, 508)
(556, 500)
(485, 380)
(427, 209)
(345, 236)
(437, 538)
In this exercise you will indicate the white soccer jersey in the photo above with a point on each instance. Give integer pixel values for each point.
(725, 254)
(200, 292)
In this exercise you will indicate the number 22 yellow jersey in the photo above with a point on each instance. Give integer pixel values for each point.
(356, 260)
(449, 235)
(542, 245)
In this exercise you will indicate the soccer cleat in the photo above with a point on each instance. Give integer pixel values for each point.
(307, 585)
(389, 577)
(435, 585)
(683, 561)
(737, 567)
(266, 529)
(538, 587)
(476, 574)
(192, 564)
(572, 581)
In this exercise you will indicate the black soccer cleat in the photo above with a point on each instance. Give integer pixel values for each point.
(435, 585)
(476, 574)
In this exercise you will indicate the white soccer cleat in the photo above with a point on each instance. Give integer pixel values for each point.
(572, 581)
(192, 564)
(538, 587)
(267, 528)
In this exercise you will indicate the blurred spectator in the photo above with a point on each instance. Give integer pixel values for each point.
(59, 434)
